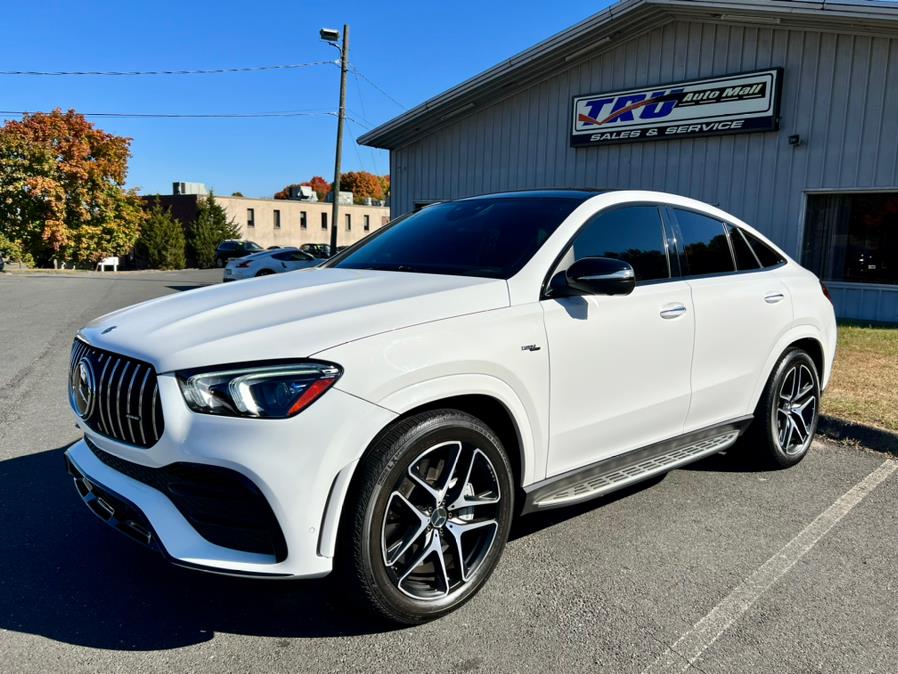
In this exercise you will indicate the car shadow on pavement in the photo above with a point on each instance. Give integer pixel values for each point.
(66, 576)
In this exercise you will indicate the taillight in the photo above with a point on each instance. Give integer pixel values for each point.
(243, 265)
(826, 292)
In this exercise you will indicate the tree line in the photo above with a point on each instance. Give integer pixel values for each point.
(63, 200)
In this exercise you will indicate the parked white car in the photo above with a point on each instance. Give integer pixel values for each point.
(387, 414)
(267, 262)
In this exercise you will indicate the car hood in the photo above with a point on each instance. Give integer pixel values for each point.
(291, 315)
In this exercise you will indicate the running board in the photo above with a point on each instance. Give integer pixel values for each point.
(621, 471)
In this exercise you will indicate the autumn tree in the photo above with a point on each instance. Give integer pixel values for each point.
(362, 184)
(161, 244)
(211, 227)
(320, 186)
(62, 194)
(385, 185)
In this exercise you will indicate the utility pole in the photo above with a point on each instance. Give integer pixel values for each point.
(341, 117)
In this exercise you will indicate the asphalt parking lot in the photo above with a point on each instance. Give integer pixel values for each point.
(730, 568)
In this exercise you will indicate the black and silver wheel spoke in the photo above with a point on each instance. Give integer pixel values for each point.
(441, 520)
(796, 409)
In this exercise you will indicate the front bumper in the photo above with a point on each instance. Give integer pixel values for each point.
(299, 467)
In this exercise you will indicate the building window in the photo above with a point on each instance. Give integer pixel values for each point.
(367, 223)
(277, 219)
(250, 217)
(323, 220)
(852, 237)
(303, 220)
(348, 222)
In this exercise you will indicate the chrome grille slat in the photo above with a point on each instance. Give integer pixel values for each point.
(143, 387)
(128, 404)
(108, 394)
(127, 394)
(118, 400)
(153, 407)
(104, 424)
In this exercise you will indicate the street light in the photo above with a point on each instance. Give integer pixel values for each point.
(331, 36)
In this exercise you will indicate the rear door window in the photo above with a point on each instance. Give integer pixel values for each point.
(703, 243)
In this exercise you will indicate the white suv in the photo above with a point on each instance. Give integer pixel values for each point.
(388, 414)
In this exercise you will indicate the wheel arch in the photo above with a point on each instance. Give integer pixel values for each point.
(805, 337)
(505, 416)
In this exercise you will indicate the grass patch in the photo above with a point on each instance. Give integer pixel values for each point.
(864, 386)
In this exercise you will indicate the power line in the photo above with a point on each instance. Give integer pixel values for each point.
(218, 115)
(129, 73)
(368, 80)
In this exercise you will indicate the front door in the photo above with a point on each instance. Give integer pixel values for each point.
(619, 365)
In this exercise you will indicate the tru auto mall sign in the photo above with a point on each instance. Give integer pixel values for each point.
(730, 104)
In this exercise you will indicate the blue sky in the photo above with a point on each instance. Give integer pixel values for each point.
(413, 50)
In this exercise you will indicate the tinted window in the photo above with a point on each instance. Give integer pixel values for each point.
(745, 258)
(488, 236)
(704, 244)
(633, 234)
(766, 254)
(227, 245)
(250, 245)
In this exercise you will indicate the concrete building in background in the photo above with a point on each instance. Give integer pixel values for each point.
(281, 222)
(782, 112)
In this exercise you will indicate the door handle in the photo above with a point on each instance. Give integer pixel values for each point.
(673, 310)
(773, 298)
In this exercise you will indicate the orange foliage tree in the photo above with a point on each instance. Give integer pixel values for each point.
(62, 194)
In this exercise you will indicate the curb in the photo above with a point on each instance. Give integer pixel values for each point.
(878, 439)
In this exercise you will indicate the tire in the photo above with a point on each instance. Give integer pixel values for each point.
(264, 272)
(399, 545)
(219, 262)
(787, 413)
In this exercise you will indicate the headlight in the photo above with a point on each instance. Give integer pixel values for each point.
(266, 390)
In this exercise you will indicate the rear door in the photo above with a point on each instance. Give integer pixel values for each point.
(619, 365)
(741, 310)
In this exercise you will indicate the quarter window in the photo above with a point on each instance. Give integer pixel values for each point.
(703, 242)
(745, 258)
(767, 256)
(633, 234)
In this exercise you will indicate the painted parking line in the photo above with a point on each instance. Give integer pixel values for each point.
(688, 648)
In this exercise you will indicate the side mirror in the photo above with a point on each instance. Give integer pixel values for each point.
(601, 276)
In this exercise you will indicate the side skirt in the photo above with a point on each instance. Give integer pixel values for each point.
(617, 472)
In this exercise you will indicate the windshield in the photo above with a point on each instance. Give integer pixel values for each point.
(487, 236)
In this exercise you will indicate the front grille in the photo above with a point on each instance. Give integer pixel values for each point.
(124, 404)
(224, 506)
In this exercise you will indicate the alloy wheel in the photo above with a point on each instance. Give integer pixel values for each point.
(796, 409)
(441, 520)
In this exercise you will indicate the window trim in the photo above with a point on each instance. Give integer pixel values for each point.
(665, 235)
(682, 256)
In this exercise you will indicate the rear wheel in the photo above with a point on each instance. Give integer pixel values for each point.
(429, 518)
(219, 262)
(786, 416)
(264, 272)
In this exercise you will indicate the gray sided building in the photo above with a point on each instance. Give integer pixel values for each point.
(782, 112)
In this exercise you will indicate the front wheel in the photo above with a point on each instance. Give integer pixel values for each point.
(786, 416)
(429, 517)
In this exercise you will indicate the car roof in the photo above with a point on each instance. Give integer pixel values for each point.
(540, 193)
